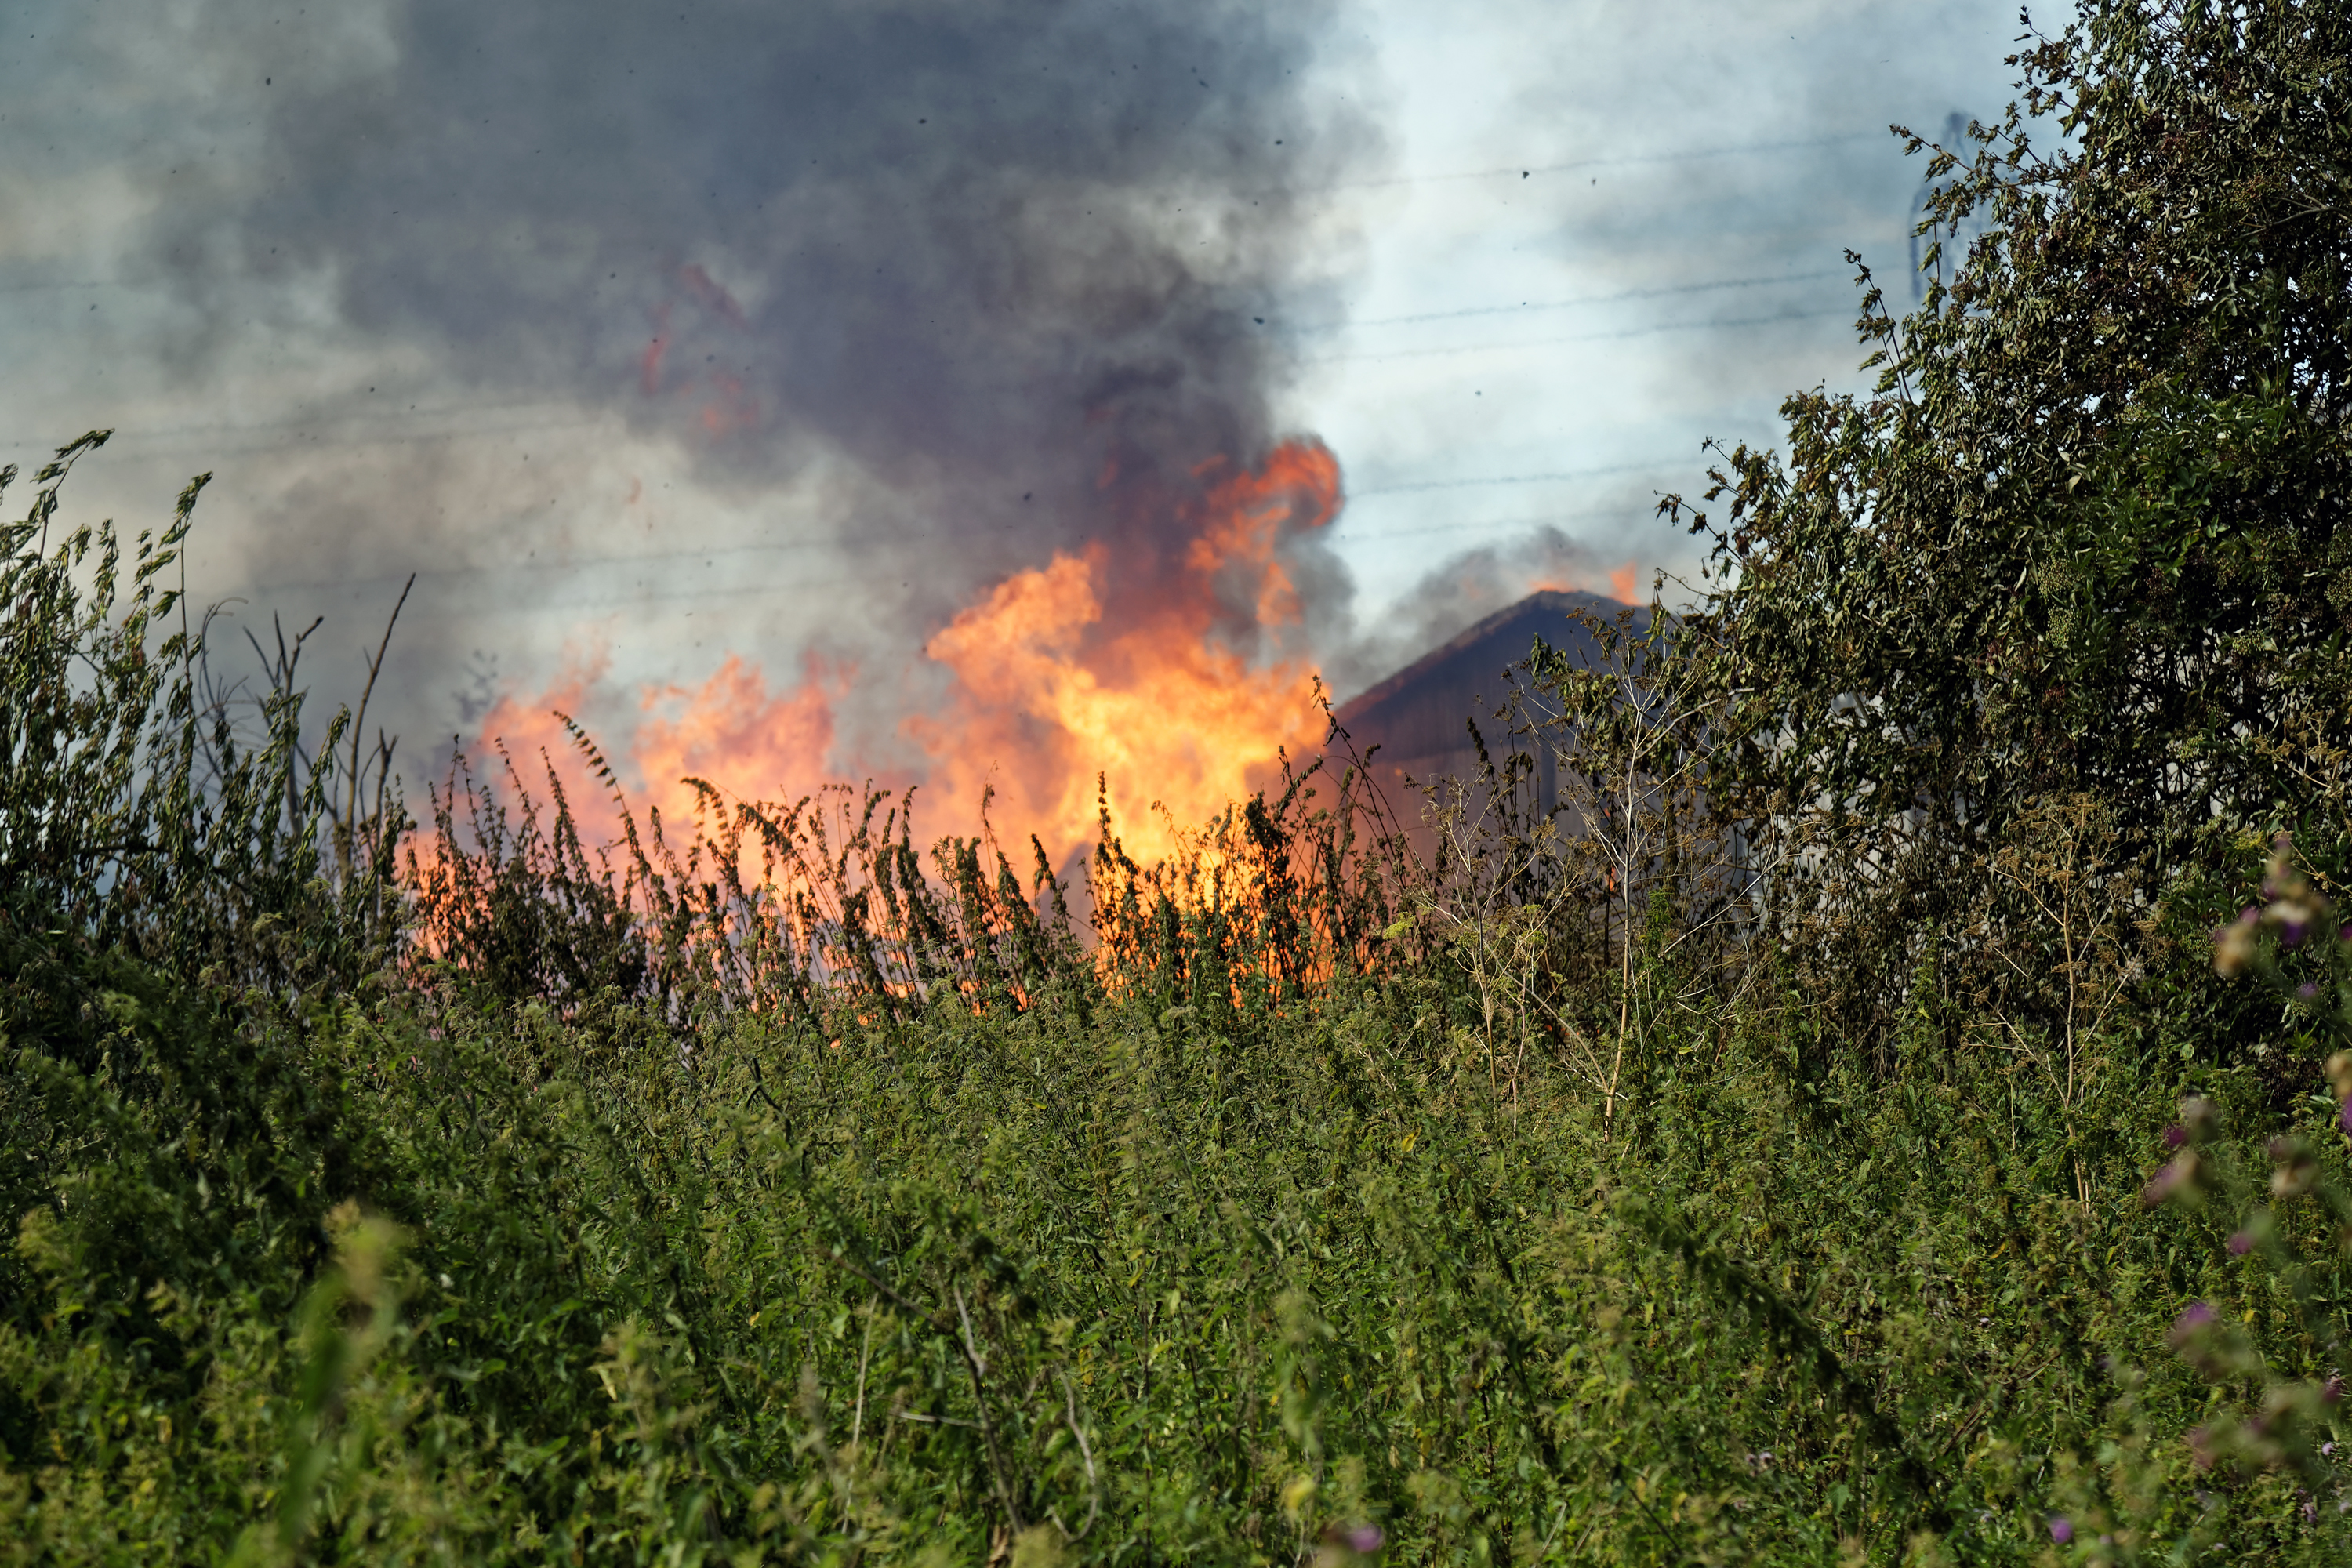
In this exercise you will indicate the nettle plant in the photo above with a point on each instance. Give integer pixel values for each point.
(2292, 1228)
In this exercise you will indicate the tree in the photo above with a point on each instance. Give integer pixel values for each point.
(2086, 540)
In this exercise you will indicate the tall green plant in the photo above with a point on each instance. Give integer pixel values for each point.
(132, 817)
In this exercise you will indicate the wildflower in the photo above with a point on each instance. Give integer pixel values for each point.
(1364, 1538)
(2307, 991)
(2241, 1244)
(2339, 1070)
(2332, 1393)
(2178, 1176)
(2295, 1172)
(2174, 1136)
(2196, 1116)
(2193, 1317)
(2062, 1529)
(2233, 946)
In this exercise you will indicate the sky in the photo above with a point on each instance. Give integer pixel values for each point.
(760, 357)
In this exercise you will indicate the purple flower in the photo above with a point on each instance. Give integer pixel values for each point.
(2174, 1137)
(2241, 1245)
(2291, 934)
(2062, 1529)
(2307, 990)
(2332, 1393)
(2344, 1117)
(1364, 1538)
(2179, 1173)
(2193, 1317)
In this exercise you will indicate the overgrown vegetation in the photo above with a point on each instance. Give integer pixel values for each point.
(1825, 1138)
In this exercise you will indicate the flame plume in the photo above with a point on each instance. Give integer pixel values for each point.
(1065, 674)
(1085, 673)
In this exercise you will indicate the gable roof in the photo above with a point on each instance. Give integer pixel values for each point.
(1419, 714)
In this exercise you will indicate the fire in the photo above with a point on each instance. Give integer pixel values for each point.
(529, 730)
(1081, 668)
(1623, 582)
(1056, 684)
(734, 735)
(729, 732)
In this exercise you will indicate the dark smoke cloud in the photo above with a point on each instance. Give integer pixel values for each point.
(895, 296)
(977, 248)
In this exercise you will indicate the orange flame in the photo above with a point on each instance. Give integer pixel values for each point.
(734, 735)
(528, 730)
(1622, 584)
(731, 732)
(1054, 685)
(1082, 667)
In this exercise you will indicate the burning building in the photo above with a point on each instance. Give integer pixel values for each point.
(1418, 719)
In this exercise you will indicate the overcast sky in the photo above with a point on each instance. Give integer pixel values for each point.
(787, 329)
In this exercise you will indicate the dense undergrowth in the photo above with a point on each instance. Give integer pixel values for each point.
(1825, 1138)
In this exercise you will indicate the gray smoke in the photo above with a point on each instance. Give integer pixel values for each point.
(999, 270)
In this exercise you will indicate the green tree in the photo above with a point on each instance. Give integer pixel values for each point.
(2084, 541)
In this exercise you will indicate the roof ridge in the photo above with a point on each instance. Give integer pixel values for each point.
(1563, 600)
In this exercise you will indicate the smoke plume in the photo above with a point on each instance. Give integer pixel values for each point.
(891, 303)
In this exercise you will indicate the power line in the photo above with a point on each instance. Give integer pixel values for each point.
(1686, 155)
(1576, 165)
(222, 438)
(1709, 287)
(1418, 486)
(1492, 525)
(582, 566)
(1520, 344)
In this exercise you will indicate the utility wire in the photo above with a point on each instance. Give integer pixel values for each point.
(1411, 487)
(1627, 160)
(224, 438)
(1519, 345)
(1661, 291)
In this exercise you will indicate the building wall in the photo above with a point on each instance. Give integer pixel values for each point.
(1419, 718)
